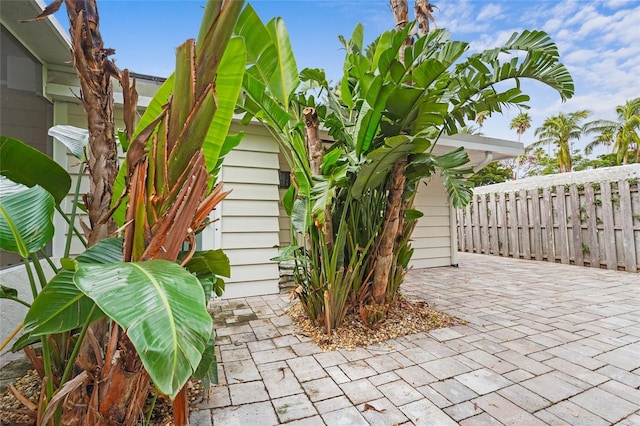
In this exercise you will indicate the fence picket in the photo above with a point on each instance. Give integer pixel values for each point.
(484, 231)
(523, 219)
(536, 220)
(513, 224)
(503, 232)
(493, 225)
(468, 234)
(626, 218)
(460, 229)
(548, 224)
(476, 225)
(592, 226)
(561, 208)
(576, 225)
(609, 230)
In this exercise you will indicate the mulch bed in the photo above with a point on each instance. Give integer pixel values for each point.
(403, 317)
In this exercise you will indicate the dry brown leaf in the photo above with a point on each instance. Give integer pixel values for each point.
(368, 407)
(30, 405)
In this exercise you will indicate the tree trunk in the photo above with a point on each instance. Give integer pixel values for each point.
(118, 383)
(95, 69)
(394, 209)
(384, 255)
(424, 14)
(401, 17)
(314, 145)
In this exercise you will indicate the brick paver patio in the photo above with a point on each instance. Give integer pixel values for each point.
(545, 344)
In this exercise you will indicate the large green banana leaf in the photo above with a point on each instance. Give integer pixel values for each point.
(284, 80)
(74, 138)
(60, 306)
(228, 84)
(26, 217)
(28, 166)
(380, 162)
(161, 306)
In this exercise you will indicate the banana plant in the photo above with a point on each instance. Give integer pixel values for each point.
(171, 186)
(385, 115)
(142, 294)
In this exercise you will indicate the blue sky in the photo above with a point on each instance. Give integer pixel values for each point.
(598, 41)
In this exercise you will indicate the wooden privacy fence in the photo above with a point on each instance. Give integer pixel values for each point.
(591, 224)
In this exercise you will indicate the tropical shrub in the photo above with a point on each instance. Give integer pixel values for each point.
(133, 308)
(351, 203)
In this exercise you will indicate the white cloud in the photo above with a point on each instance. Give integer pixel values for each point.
(491, 11)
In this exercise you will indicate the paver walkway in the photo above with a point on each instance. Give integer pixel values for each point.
(545, 344)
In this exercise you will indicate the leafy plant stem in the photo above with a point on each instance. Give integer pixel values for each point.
(32, 280)
(76, 347)
(46, 257)
(16, 299)
(39, 270)
(74, 208)
(48, 372)
(151, 407)
(75, 230)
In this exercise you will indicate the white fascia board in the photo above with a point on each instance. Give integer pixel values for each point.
(501, 148)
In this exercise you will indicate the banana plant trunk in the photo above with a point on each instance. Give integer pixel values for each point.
(392, 222)
(400, 11)
(94, 70)
(394, 208)
(314, 146)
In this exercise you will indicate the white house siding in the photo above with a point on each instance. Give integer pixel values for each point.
(250, 214)
(433, 234)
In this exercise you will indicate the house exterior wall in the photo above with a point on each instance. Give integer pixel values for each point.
(433, 236)
(25, 114)
(249, 225)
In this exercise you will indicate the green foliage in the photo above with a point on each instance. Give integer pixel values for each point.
(492, 173)
(383, 112)
(622, 133)
(26, 217)
(28, 166)
(161, 306)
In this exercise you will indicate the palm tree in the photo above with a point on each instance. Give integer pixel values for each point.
(604, 137)
(623, 132)
(560, 130)
(470, 129)
(521, 123)
(481, 117)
